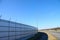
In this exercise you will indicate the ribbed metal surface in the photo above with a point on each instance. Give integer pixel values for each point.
(12, 30)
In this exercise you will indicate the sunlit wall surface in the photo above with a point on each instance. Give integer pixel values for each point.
(12, 30)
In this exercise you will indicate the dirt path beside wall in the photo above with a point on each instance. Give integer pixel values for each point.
(50, 36)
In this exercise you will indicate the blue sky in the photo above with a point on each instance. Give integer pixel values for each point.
(45, 13)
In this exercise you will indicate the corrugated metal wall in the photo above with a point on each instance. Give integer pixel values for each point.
(12, 30)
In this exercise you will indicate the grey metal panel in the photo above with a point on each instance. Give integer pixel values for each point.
(18, 33)
(17, 29)
(4, 38)
(11, 24)
(3, 28)
(12, 38)
(3, 34)
(19, 25)
(12, 29)
(3, 23)
(12, 33)
(18, 37)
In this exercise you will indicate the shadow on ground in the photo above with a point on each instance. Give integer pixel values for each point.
(39, 36)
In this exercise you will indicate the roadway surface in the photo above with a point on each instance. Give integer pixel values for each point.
(56, 34)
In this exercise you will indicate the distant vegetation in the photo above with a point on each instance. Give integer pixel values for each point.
(52, 29)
